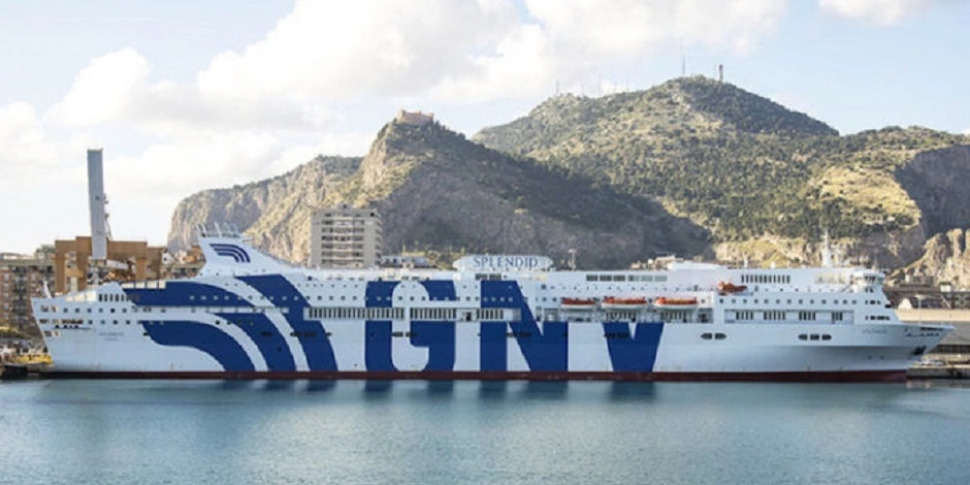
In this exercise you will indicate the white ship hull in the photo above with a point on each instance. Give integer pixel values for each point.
(282, 323)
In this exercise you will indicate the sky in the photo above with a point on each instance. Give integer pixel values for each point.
(184, 96)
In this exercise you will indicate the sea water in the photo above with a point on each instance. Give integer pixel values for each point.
(347, 432)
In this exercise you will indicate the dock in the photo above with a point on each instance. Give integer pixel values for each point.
(19, 372)
(939, 371)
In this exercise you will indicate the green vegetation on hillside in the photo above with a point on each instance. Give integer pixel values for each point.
(733, 162)
(524, 183)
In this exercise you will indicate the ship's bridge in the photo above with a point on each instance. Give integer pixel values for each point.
(868, 279)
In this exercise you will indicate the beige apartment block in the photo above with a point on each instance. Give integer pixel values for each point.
(346, 237)
(21, 278)
(133, 261)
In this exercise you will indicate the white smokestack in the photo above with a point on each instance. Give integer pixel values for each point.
(98, 201)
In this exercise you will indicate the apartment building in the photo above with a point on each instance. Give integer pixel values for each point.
(346, 237)
(23, 277)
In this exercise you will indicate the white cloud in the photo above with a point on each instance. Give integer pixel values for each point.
(520, 66)
(326, 50)
(192, 162)
(879, 12)
(469, 51)
(166, 107)
(27, 151)
(115, 88)
(626, 29)
(324, 53)
(102, 91)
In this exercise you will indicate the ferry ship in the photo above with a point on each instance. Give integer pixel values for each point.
(247, 315)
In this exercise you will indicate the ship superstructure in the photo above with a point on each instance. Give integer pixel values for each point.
(247, 315)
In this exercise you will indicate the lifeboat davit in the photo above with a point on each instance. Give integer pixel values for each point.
(578, 303)
(664, 301)
(615, 303)
(726, 287)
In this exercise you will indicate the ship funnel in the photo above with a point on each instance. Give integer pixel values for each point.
(100, 233)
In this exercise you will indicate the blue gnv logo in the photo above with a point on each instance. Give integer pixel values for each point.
(231, 251)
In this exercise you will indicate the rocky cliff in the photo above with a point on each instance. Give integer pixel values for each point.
(938, 181)
(250, 206)
(946, 258)
(438, 191)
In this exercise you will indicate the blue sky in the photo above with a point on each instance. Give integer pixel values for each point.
(187, 95)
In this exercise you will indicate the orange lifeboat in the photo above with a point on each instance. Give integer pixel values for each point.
(578, 303)
(676, 302)
(727, 287)
(616, 303)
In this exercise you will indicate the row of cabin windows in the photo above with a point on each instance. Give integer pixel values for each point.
(744, 301)
(355, 313)
(112, 298)
(209, 309)
(118, 322)
(444, 314)
(352, 298)
(59, 321)
(814, 336)
(747, 315)
(877, 317)
(766, 278)
(621, 277)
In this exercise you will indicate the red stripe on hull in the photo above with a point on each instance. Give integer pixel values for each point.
(834, 376)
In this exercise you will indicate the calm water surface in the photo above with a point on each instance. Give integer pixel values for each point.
(114, 432)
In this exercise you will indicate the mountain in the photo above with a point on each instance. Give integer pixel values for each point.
(763, 179)
(438, 191)
(691, 167)
(693, 108)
